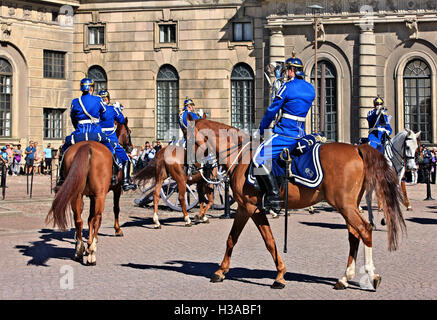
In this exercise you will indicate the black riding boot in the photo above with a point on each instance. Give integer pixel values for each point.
(61, 177)
(126, 184)
(272, 197)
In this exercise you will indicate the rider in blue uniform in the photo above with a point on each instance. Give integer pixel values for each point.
(110, 116)
(294, 99)
(85, 116)
(183, 116)
(379, 125)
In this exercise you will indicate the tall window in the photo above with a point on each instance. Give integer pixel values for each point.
(326, 101)
(5, 97)
(54, 64)
(242, 97)
(97, 74)
(167, 108)
(417, 98)
(53, 123)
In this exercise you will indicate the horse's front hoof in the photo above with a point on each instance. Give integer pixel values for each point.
(340, 286)
(91, 264)
(277, 285)
(78, 259)
(217, 278)
(376, 281)
(157, 227)
(119, 233)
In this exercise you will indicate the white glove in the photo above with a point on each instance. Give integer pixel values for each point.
(118, 105)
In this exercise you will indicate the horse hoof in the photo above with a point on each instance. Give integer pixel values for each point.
(216, 278)
(119, 234)
(91, 264)
(409, 209)
(277, 285)
(376, 282)
(189, 224)
(383, 222)
(339, 286)
(157, 227)
(78, 259)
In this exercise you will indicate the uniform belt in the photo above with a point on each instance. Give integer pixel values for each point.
(378, 129)
(291, 117)
(88, 121)
(108, 129)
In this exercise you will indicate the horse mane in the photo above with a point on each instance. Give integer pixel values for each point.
(221, 125)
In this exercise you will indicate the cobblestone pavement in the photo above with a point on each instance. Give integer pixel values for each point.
(176, 262)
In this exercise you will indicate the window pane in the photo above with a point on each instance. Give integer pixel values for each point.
(5, 97)
(54, 64)
(238, 32)
(247, 32)
(242, 98)
(53, 123)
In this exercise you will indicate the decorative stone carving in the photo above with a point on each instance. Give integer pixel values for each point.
(6, 29)
(27, 12)
(320, 30)
(414, 28)
(12, 7)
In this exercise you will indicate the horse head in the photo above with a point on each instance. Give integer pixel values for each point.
(411, 144)
(124, 136)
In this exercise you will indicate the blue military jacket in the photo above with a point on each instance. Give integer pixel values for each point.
(183, 120)
(107, 120)
(93, 105)
(295, 99)
(378, 125)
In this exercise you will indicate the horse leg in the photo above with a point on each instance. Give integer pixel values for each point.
(182, 191)
(240, 221)
(91, 223)
(354, 241)
(364, 229)
(156, 198)
(77, 207)
(202, 191)
(369, 207)
(99, 204)
(262, 223)
(210, 194)
(404, 192)
(117, 194)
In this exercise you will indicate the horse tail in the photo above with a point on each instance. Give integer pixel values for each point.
(148, 172)
(381, 177)
(73, 185)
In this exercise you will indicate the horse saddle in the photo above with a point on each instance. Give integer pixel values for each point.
(305, 167)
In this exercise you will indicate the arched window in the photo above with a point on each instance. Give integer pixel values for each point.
(242, 97)
(326, 100)
(97, 74)
(167, 100)
(5, 97)
(417, 98)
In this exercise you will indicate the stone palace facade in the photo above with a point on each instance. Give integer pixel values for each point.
(151, 55)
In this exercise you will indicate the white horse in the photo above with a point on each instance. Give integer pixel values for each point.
(399, 153)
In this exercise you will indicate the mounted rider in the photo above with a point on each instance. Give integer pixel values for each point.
(294, 99)
(85, 114)
(189, 108)
(379, 125)
(111, 116)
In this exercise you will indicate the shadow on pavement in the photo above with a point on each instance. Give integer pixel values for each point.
(149, 224)
(206, 270)
(41, 251)
(423, 220)
(324, 225)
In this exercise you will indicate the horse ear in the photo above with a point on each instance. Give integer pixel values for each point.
(204, 116)
(418, 134)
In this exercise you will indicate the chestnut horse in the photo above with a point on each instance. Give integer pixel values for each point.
(349, 172)
(169, 162)
(88, 172)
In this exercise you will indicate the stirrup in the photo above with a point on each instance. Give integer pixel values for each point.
(275, 205)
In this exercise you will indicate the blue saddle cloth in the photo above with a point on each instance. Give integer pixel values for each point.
(306, 167)
(88, 136)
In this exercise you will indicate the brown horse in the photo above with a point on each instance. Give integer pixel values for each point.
(88, 172)
(349, 171)
(169, 162)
